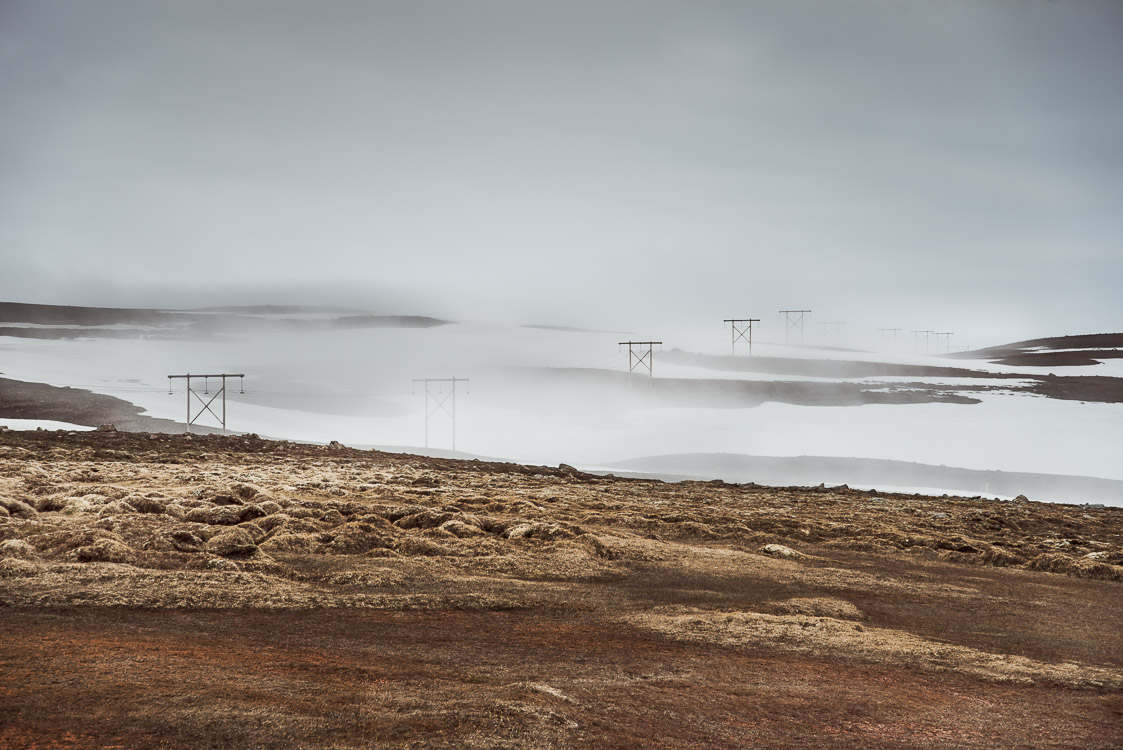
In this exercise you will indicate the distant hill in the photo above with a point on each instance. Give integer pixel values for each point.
(883, 474)
(1059, 351)
(23, 320)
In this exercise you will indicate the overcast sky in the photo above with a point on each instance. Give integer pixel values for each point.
(620, 164)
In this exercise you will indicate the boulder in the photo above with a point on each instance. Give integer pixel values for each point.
(779, 550)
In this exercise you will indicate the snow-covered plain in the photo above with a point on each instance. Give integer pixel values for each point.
(355, 386)
(34, 424)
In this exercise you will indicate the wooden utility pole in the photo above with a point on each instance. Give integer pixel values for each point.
(947, 340)
(916, 339)
(838, 324)
(740, 328)
(441, 401)
(893, 331)
(794, 322)
(638, 357)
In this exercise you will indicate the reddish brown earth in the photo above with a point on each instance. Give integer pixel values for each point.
(165, 591)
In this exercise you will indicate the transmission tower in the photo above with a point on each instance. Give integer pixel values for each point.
(794, 322)
(640, 358)
(441, 401)
(946, 338)
(206, 402)
(892, 334)
(838, 324)
(741, 326)
(916, 336)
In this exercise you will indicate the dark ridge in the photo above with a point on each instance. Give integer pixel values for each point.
(1018, 354)
(19, 312)
(178, 322)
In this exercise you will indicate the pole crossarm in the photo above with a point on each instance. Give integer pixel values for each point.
(206, 403)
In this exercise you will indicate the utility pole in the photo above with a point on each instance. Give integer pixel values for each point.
(838, 324)
(947, 340)
(795, 322)
(206, 402)
(916, 339)
(893, 331)
(441, 399)
(739, 331)
(638, 357)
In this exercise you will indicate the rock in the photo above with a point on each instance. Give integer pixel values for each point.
(537, 530)
(233, 542)
(779, 550)
(1021, 499)
(461, 529)
(938, 514)
(106, 428)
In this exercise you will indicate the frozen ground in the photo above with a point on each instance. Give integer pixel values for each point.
(355, 386)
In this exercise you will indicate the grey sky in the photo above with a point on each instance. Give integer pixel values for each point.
(613, 163)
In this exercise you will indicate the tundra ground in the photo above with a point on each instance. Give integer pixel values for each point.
(169, 590)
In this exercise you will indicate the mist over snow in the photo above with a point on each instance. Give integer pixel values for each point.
(607, 171)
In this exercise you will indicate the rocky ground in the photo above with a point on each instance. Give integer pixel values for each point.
(202, 591)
